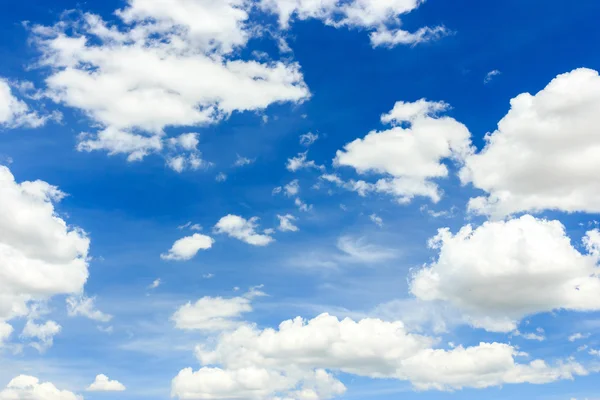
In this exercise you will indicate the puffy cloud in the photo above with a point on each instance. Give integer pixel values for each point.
(186, 248)
(214, 313)
(245, 230)
(40, 255)
(258, 364)
(286, 223)
(14, 112)
(30, 388)
(297, 163)
(167, 64)
(83, 306)
(410, 154)
(103, 384)
(553, 130)
(292, 188)
(43, 332)
(503, 271)
(381, 19)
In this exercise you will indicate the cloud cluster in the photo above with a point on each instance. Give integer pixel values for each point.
(16, 113)
(294, 360)
(380, 18)
(30, 388)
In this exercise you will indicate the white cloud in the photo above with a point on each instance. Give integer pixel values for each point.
(186, 141)
(307, 139)
(103, 384)
(286, 223)
(27, 387)
(84, 307)
(490, 75)
(410, 154)
(214, 313)
(242, 229)
(376, 220)
(186, 248)
(40, 255)
(299, 162)
(501, 272)
(553, 130)
(221, 177)
(16, 113)
(594, 352)
(381, 19)
(242, 161)
(43, 332)
(302, 206)
(292, 188)
(257, 364)
(530, 336)
(578, 336)
(357, 250)
(167, 65)
(6, 331)
(154, 284)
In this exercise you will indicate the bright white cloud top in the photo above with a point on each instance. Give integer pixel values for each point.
(186, 248)
(242, 229)
(501, 272)
(103, 384)
(29, 387)
(410, 154)
(544, 154)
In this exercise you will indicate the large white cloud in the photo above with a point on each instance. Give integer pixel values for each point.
(502, 271)
(380, 18)
(411, 154)
(186, 248)
(544, 153)
(259, 364)
(29, 388)
(170, 64)
(40, 255)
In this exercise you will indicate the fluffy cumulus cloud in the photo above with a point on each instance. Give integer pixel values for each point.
(103, 384)
(380, 18)
(410, 155)
(242, 229)
(299, 360)
(44, 333)
(214, 313)
(30, 388)
(40, 255)
(503, 271)
(6, 331)
(186, 248)
(164, 64)
(16, 113)
(544, 153)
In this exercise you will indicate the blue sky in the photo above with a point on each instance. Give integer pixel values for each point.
(227, 89)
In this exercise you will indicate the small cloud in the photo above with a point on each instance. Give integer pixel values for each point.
(245, 230)
(300, 162)
(154, 284)
(221, 177)
(84, 307)
(376, 220)
(186, 248)
(490, 75)
(578, 336)
(286, 223)
(208, 276)
(242, 161)
(103, 384)
(308, 139)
